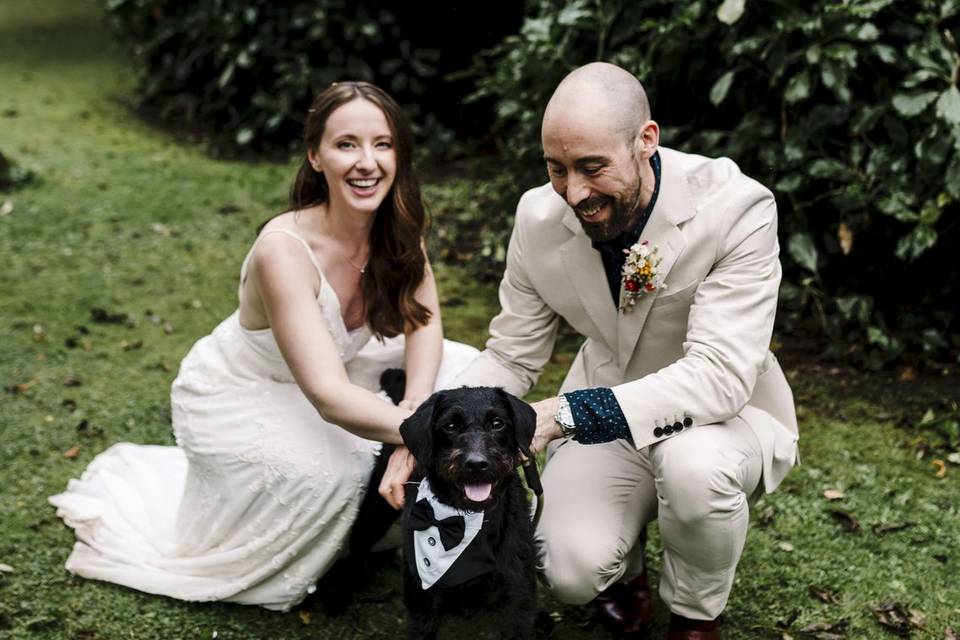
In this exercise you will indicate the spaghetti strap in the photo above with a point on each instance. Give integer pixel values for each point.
(306, 245)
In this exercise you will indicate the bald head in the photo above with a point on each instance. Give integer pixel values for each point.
(600, 90)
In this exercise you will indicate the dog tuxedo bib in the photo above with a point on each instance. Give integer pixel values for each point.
(445, 546)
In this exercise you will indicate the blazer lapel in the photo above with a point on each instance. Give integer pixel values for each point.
(674, 205)
(585, 270)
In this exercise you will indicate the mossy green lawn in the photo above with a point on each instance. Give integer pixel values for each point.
(137, 222)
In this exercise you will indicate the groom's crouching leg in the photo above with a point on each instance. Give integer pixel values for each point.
(704, 480)
(597, 500)
(576, 565)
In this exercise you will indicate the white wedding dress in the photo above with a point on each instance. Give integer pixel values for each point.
(257, 500)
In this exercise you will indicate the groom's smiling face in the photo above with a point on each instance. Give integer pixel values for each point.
(594, 166)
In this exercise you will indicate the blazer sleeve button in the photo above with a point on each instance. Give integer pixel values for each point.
(678, 426)
(657, 432)
(687, 421)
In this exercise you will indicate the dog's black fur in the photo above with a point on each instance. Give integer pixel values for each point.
(464, 436)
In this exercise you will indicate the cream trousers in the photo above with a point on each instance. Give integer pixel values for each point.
(599, 498)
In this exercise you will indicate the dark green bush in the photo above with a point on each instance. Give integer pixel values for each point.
(241, 73)
(849, 110)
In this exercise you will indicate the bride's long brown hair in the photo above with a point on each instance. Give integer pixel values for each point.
(397, 264)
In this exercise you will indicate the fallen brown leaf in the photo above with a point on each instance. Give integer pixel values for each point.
(908, 374)
(72, 381)
(941, 468)
(823, 595)
(22, 387)
(72, 452)
(833, 494)
(847, 521)
(898, 618)
(881, 528)
(304, 616)
(766, 516)
(826, 630)
(950, 634)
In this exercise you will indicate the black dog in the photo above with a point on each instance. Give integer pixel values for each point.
(468, 538)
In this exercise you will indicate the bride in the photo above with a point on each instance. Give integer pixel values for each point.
(276, 413)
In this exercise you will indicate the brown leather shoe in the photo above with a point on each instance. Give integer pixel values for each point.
(686, 629)
(626, 609)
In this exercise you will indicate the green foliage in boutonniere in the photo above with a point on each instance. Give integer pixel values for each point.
(641, 273)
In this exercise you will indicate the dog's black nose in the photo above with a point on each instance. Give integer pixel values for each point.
(476, 462)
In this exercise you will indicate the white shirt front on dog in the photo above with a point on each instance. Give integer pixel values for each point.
(432, 559)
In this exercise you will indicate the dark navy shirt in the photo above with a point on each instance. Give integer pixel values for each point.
(596, 412)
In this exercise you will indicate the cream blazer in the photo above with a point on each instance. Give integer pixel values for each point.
(698, 348)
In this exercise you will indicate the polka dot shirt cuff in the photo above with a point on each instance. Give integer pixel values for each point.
(597, 415)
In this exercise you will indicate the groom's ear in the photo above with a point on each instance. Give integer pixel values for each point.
(417, 431)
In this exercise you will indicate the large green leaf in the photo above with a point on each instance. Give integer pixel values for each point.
(827, 168)
(731, 11)
(720, 88)
(910, 105)
(798, 88)
(948, 105)
(952, 179)
(911, 246)
(803, 251)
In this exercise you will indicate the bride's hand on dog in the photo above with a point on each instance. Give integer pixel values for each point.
(547, 427)
(411, 404)
(399, 469)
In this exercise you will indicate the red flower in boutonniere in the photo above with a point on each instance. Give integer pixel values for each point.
(641, 273)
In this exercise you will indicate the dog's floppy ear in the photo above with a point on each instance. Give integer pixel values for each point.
(417, 430)
(524, 421)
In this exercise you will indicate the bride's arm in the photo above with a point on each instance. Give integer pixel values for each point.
(289, 297)
(424, 346)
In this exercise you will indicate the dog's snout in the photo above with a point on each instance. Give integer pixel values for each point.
(476, 462)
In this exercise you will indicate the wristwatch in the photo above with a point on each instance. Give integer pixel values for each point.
(564, 418)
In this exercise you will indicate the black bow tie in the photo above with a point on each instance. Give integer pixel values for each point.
(451, 529)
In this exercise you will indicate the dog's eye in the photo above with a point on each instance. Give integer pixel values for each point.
(450, 427)
(498, 424)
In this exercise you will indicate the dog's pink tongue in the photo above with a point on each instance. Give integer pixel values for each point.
(479, 491)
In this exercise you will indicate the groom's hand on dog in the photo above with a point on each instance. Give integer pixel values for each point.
(399, 469)
(547, 427)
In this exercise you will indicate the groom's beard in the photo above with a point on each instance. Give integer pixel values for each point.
(626, 213)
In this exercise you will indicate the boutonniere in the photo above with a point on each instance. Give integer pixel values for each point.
(641, 273)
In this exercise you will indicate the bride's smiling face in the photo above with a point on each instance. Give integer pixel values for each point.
(356, 156)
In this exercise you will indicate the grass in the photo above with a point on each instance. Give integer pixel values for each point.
(128, 219)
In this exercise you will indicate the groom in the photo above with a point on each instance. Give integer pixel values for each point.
(674, 407)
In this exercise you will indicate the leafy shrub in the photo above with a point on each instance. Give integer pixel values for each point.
(849, 111)
(242, 73)
(471, 222)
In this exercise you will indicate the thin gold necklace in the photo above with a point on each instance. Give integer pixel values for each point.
(362, 269)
